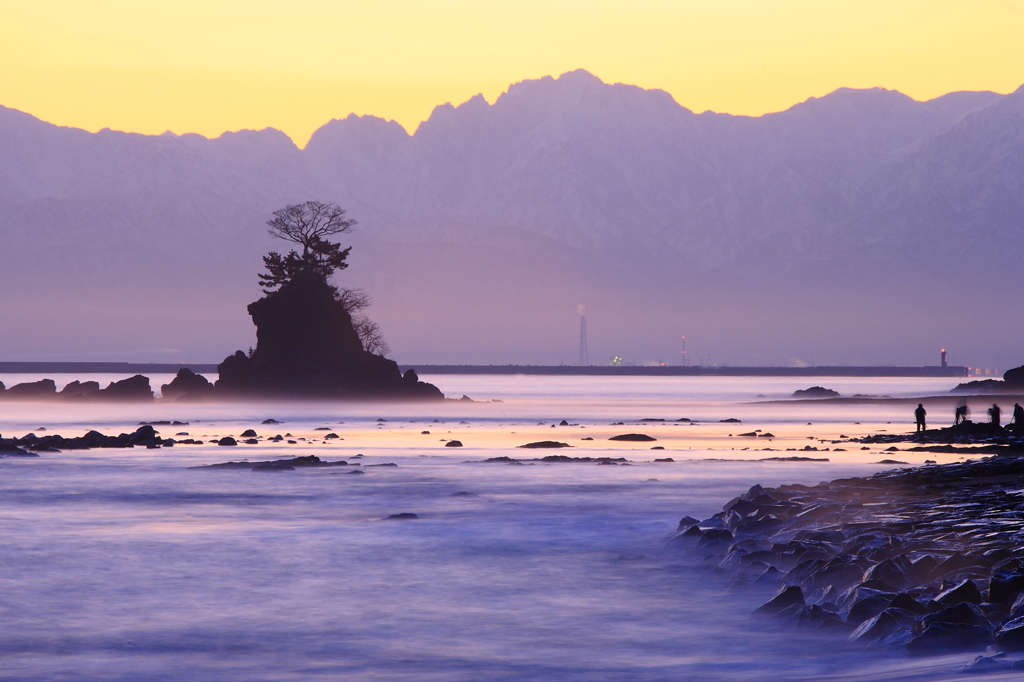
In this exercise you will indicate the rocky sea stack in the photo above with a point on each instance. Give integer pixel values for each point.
(306, 345)
(312, 338)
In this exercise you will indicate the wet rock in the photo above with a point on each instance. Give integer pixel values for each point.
(248, 433)
(964, 591)
(227, 440)
(896, 571)
(1004, 587)
(949, 637)
(637, 437)
(1010, 635)
(270, 421)
(453, 444)
(685, 523)
(404, 516)
(868, 607)
(787, 597)
(884, 624)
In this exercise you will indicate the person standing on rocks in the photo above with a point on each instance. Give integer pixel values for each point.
(961, 414)
(995, 413)
(1018, 414)
(919, 415)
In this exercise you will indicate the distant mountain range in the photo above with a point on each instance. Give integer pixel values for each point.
(862, 227)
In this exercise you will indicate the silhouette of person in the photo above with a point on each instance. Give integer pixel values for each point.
(961, 414)
(1018, 414)
(919, 415)
(995, 413)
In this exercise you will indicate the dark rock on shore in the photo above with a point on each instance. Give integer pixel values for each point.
(307, 346)
(638, 437)
(929, 559)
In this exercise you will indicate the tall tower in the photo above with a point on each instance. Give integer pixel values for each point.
(944, 357)
(683, 362)
(584, 353)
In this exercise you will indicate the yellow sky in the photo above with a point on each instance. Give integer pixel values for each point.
(208, 66)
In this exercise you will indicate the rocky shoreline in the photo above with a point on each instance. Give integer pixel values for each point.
(925, 560)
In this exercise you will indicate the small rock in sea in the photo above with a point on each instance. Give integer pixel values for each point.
(248, 433)
(890, 461)
(665, 459)
(251, 441)
(181, 433)
(767, 435)
(356, 471)
(403, 516)
(227, 440)
(331, 436)
(424, 433)
(639, 437)
(730, 420)
(749, 434)
(322, 428)
(453, 444)
(292, 442)
(545, 444)
(382, 419)
(271, 421)
(463, 493)
(587, 438)
(816, 392)
(658, 447)
(563, 423)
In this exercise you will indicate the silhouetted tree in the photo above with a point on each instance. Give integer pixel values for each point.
(307, 224)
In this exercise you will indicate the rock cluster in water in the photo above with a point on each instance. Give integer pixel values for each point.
(132, 389)
(31, 444)
(926, 560)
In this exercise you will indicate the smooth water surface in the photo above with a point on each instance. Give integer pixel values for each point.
(128, 565)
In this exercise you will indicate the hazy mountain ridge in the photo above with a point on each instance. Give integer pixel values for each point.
(563, 191)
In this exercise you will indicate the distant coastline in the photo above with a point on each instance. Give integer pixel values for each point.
(566, 370)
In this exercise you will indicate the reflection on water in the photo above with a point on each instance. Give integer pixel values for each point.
(125, 564)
